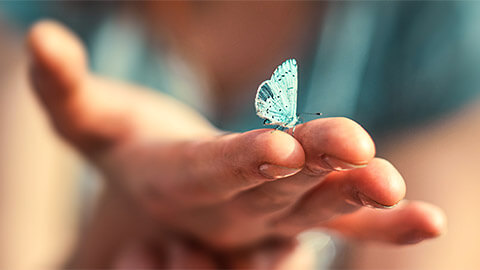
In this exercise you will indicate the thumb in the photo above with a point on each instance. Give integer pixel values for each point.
(59, 62)
(79, 106)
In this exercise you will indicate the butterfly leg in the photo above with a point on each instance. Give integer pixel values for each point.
(293, 131)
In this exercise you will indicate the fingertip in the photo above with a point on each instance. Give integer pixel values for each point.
(422, 221)
(273, 153)
(282, 149)
(439, 222)
(338, 137)
(430, 218)
(380, 183)
(57, 53)
(357, 147)
(409, 222)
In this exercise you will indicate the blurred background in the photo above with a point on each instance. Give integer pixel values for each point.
(406, 71)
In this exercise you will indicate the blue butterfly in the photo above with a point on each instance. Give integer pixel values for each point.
(276, 99)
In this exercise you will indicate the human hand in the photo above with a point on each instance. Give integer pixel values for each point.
(174, 173)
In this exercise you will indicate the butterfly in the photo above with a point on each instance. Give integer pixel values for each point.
(276, 99)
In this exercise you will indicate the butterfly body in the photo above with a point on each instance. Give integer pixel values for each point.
(276, 99)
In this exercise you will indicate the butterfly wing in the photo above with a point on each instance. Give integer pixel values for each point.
(286, 77)
(276, 99)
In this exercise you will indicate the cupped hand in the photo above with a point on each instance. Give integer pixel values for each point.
(176, 174)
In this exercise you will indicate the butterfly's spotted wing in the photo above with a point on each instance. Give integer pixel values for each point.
(276, 99)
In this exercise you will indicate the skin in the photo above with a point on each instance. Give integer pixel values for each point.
(429, 174)
(179, 191)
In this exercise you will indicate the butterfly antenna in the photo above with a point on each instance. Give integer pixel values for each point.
(318, 113)
(300, 115)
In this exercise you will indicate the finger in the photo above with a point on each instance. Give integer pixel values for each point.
(330, 144)
(409, 223)
(334, 144)
(378, 185)
(215, 169)
(59, 76)
(58, 55)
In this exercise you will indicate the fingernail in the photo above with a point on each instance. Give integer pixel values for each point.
(336, 164)
(275, 172)
(368, 202)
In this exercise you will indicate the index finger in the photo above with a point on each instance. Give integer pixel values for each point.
(214, 169)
